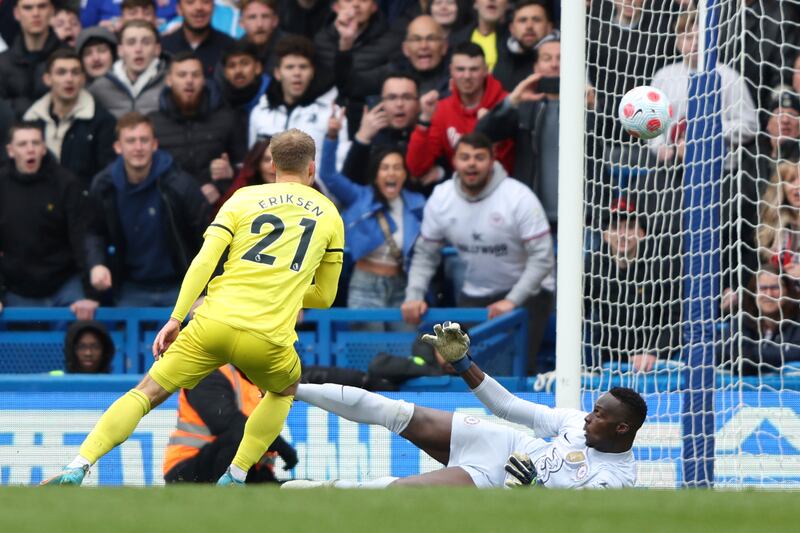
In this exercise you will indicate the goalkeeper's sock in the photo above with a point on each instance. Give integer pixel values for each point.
(262, 427)
(380, 483)
(115, 426)
(358, 405)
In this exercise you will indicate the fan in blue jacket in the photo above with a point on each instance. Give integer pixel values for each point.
(380, 255)
(94, 12)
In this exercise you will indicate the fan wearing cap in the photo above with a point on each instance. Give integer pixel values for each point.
(630, 294)
(783, 126)
(97, 47)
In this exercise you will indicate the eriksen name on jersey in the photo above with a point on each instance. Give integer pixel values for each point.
(299, 201)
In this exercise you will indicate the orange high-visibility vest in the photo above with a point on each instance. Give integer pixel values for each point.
(191, 433)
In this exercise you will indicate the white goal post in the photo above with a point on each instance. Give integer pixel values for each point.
(724, 388)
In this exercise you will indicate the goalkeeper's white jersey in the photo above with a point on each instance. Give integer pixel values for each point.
(567, 463)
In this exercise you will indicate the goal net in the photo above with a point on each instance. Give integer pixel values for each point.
(692, 240)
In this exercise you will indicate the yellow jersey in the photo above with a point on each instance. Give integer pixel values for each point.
(489, 45)
(278, 234)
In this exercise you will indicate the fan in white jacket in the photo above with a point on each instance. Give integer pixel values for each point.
(739, 116)
(292, 101)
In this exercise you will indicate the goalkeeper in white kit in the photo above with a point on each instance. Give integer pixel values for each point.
(586, 450)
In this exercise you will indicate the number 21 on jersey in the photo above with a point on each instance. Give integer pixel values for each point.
(257, 253)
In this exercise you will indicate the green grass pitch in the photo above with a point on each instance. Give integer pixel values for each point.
(199, 509)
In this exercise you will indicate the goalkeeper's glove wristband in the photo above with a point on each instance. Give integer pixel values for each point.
(463, 364)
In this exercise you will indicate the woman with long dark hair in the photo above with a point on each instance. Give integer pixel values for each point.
(382, 220)
(256, 169)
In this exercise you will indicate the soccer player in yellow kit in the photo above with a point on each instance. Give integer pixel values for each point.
(285, 244)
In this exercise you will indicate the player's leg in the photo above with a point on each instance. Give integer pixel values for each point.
(453, 476)
(276, 370)
(476, 452)
(114, 427)
(119, 420)
(183, 365)
(428, 429)
(262, 427)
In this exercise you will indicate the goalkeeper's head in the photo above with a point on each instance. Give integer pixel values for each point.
(612, 425)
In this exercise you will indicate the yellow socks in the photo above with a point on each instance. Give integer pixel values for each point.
(116, 425)
(261, 429)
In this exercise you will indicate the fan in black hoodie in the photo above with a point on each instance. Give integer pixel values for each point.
(88, 348)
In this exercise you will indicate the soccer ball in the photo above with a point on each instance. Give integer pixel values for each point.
(645, 112)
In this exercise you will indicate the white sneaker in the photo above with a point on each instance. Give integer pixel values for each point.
(306, 484)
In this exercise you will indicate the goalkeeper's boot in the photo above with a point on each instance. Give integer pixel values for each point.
(306, 484)
(227, 480)
(68, 476)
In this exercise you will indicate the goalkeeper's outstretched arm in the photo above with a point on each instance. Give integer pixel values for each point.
(545, 421)
(453, 344)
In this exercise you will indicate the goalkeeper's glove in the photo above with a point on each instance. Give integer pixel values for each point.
(520, 470)
(451, 343)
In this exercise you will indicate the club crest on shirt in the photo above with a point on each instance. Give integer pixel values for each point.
(582, 471)
(471, 420)
(575, 457)
(496, 219)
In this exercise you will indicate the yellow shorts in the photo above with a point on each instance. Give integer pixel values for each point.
(205, 345)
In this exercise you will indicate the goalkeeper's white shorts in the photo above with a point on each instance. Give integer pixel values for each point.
(482, 448)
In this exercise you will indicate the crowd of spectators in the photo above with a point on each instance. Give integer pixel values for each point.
(636, 264)
(128, 124)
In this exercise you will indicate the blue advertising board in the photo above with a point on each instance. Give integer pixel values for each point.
(757, 439)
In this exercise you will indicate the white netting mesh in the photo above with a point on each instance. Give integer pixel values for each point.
(675, 223)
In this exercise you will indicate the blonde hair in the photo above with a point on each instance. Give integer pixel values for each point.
(775, 213)
(292, 151)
